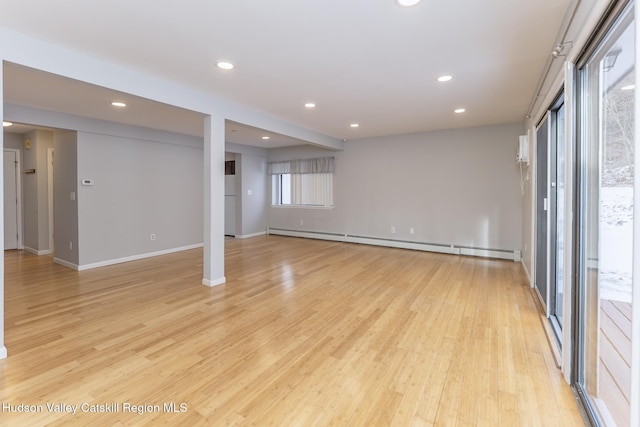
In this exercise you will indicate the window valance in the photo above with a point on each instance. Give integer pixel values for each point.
(302, 166)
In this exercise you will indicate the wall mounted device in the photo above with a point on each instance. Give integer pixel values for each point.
(522, 155)
(87, 182)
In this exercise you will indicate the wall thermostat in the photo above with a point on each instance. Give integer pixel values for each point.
(87, 182)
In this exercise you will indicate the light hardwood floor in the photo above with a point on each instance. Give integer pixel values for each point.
(304, 333)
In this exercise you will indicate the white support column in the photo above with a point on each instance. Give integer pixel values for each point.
(3, 349)
(213, 201)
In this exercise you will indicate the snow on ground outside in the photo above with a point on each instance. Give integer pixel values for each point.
(616, 243)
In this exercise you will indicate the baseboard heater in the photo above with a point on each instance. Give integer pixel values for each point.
(513, 255)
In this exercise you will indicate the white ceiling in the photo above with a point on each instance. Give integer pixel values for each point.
(365, 61)
(33, 88)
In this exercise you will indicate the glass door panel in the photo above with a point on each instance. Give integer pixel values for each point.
(560, 164)
(542, 213)
(606, 224)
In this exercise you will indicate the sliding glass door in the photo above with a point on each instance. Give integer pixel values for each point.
(550, 214)
(557, 168)
(542, 213)
(605, 234)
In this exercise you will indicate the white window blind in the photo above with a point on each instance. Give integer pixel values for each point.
(307, 182)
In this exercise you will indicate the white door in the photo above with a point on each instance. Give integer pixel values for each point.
(10, 200)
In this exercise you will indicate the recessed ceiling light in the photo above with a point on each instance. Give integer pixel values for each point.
(444, 78)
(459, 110)
(407, 3)
(310, 105)
(6, 124)
(225, 65)
(266, 137)
(118, 104)
(354, 125)
(628, 87)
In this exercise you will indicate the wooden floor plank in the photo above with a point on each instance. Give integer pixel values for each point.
(304, 332)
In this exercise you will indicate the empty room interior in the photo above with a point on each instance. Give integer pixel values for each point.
(295, 213)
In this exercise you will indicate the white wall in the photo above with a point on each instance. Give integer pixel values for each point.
(146, 181)
(141, 187)
(457, 187)
(527, 211)
(251, 214)
(35, 192)
(158, 189)
(65, 210)
(252, 194)
(13, 140)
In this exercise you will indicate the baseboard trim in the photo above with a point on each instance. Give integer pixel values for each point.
(137, 257)
(247, 236)
(66, 264)
(37, 252)
(401, 244)
(216, 282)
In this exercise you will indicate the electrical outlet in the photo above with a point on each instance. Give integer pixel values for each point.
(411, 230)
(70, 245)
(301, 222)
(153, 236)
(393, 230)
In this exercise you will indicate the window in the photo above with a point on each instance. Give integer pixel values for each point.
(302, 182)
